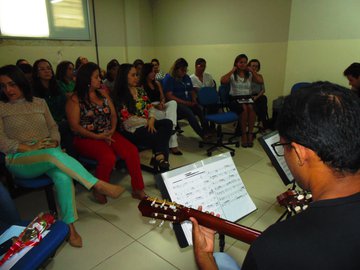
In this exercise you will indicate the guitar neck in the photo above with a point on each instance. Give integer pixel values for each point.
(222, 226)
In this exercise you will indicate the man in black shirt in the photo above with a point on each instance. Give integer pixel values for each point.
(318, 127)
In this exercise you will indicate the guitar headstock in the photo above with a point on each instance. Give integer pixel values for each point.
(162, 209)
(295, 200)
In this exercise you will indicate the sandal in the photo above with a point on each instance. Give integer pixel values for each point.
(160, 165)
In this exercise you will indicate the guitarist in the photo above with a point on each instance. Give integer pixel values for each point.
(319, 127)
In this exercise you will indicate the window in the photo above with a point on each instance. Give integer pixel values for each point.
(49, 19)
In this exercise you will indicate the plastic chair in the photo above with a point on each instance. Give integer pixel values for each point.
(208, 96)
(299, 85)
(20, 186)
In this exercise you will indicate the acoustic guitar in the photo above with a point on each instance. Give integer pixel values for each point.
(171, 211)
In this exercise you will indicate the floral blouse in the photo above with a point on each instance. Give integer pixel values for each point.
(144, 110)
(95, 118)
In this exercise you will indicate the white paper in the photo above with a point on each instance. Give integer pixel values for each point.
(212, 183)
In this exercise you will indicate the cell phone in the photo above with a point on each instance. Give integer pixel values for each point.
(4, 247)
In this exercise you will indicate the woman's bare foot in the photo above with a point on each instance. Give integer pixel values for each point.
(104, 188)
(74, 238)
(138, 194)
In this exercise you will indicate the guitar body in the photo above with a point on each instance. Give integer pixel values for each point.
(177, 213)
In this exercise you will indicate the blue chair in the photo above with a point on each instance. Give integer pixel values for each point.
(20, 186)
(208, 96)
(299, 85)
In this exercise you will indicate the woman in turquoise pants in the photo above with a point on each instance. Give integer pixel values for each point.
(30, 139)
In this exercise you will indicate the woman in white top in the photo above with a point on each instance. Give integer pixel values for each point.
(240, 78)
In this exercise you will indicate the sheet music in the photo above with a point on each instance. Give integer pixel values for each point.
(281, 160)
(213, 183)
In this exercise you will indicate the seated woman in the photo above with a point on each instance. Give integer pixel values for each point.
(177, 86)
(46, 86)
(163, 109)
(65, 77)
(81, 60)
(159, 75)
(258, 95)
(111, 70)
(240, 78)
(29, 138)
(93, 119)
(138, 117)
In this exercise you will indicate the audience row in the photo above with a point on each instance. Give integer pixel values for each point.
(104, 119)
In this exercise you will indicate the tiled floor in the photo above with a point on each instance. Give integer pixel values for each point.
(116, 236)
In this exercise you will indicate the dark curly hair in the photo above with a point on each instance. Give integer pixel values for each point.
(324, 117)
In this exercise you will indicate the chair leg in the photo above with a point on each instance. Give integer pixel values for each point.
(220, 143)
(50, 198)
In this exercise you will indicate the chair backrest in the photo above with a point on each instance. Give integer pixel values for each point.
(224, 93)
(207, 96)
(298, 86)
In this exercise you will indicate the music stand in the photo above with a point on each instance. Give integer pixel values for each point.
(279, 164)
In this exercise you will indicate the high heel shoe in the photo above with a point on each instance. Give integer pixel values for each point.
(107, 189)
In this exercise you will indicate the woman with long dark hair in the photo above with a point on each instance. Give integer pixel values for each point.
(240, 78)
(137, 116)
(46, 86)
(163, 109)
(92, 117)
(29, 138)
(65, 77)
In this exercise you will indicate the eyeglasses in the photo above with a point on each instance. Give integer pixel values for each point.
(3, 86)
(279, 148)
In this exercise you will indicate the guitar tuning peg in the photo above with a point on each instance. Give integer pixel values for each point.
(152, 221)
(161, 223)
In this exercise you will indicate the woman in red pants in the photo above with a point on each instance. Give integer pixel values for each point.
(93, 119)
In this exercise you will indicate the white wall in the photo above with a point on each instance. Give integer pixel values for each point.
(220, 30)
(323, 40)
